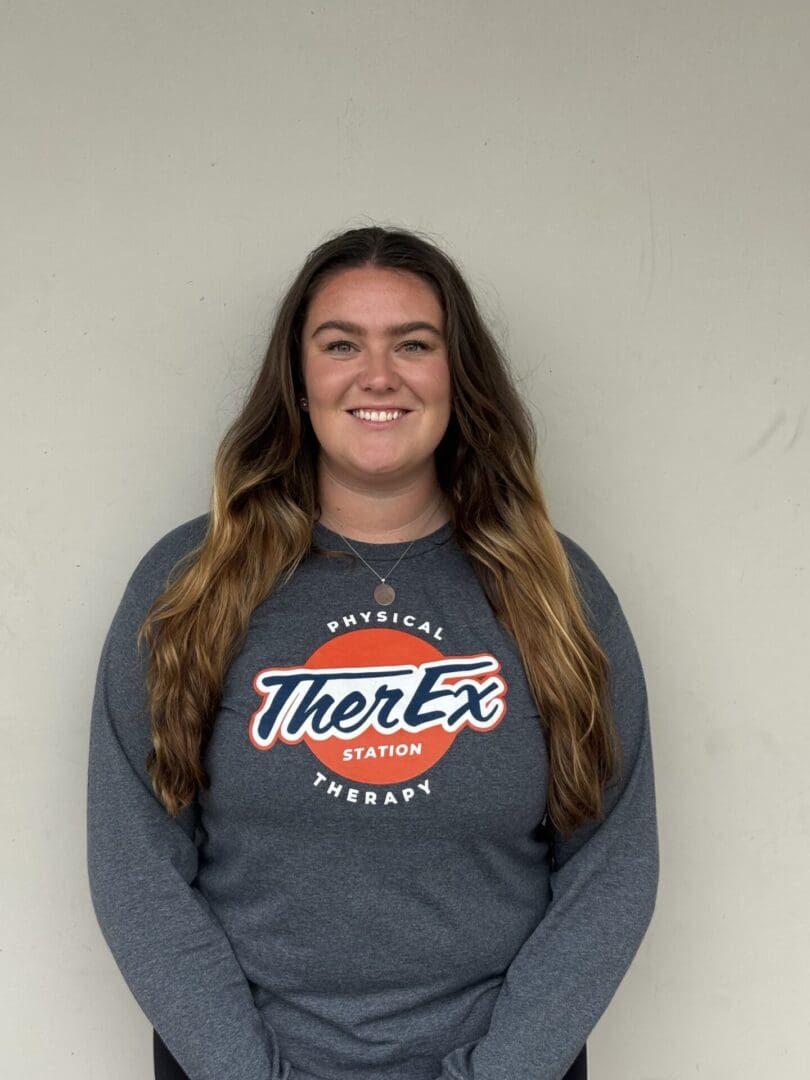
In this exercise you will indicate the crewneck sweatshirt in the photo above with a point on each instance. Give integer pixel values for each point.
(369, 889)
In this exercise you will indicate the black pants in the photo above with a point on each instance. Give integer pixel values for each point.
(166, 1068)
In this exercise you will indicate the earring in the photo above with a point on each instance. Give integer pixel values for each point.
(304, 402)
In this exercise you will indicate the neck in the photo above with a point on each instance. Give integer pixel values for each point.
(391, 516)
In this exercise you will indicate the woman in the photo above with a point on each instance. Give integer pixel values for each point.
(371, 790)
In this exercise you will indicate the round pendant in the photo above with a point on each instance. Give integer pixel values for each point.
(383, 593)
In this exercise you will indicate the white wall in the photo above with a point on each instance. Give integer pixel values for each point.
(627, 186)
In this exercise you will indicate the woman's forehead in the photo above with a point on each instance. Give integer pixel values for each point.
(375, 298)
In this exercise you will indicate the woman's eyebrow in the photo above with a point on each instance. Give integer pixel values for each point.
(391, 331)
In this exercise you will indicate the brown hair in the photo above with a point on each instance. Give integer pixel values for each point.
(264, 503)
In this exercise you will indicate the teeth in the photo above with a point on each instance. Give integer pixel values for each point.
(366, 414)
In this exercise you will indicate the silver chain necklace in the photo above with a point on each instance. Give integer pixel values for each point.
(383, 592)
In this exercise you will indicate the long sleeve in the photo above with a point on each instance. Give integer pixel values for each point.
(142, 863)
(604, 887)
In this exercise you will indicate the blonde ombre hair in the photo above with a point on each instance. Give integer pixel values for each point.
(265, 501)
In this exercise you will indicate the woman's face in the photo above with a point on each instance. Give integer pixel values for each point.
(376, 359)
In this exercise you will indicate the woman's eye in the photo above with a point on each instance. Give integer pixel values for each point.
(408, 346)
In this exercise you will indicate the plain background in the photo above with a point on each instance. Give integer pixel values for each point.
(627, 187)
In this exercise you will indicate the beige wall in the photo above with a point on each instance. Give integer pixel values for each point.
(627, 186)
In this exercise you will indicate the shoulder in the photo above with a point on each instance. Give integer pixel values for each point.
(597, 593)
(604, 611)
(146, 582)
(151, 575)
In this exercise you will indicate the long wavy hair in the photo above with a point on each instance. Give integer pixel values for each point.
(265, 500)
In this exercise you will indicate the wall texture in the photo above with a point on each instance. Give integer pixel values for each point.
(627, 186)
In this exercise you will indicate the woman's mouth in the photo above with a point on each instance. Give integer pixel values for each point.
(378, 417)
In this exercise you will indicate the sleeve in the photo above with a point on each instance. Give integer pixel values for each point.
(142, 863)
(604, 884)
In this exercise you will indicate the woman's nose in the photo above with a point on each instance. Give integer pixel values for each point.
(379, 369)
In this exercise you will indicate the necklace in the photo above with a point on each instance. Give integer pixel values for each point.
(383, 592)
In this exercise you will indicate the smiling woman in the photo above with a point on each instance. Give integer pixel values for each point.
(370, 791)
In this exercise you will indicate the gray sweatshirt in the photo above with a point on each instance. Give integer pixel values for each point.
(366, 890)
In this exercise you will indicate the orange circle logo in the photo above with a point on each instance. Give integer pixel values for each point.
(378, 706)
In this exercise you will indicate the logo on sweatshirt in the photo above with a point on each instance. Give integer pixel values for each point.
(378, 706)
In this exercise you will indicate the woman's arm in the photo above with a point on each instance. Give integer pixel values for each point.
(604, 888)
(172, 952)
